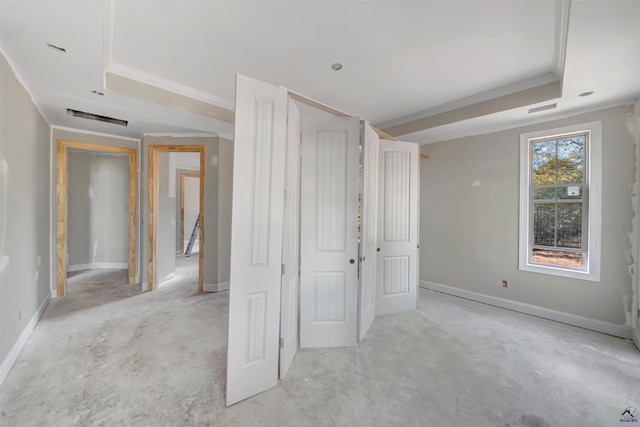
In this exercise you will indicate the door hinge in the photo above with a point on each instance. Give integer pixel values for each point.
(281, 343)
(285, 194)
(284, 269)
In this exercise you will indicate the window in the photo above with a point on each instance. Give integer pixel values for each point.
(560, 179)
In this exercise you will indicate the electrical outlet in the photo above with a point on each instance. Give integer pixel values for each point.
(504, 284)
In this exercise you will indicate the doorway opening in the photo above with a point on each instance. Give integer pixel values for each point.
(104, 247)
(176, 214)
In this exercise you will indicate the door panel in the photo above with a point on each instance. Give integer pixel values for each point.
(397, 289)
(256, 243)
(290, 240)
(329, 229)
(369, 230)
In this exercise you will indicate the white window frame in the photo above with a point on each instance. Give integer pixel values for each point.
(593, 183)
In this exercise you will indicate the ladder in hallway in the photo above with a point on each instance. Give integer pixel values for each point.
(192, 239)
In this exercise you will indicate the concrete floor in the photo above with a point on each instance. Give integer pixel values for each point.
(158, 359)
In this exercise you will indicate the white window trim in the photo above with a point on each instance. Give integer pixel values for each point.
(594, 183)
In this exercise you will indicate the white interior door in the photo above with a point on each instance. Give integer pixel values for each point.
(397, 288)
(290, 240)
(329, 232)
(369, 230)
(256, 238)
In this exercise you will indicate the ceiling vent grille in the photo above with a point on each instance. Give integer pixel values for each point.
(96, 117)
(543, 108)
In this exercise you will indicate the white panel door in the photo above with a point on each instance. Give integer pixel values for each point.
(329, 232)
(368, 230)
(397, 285)
(290, 240)
(256, 238)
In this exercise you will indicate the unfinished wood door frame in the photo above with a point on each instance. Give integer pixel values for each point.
(184, 175)
(62, 188)
(152, 189)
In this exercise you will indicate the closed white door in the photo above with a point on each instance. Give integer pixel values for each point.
(397, 286)
(256, 238)
(329, 232)
(368, 230)
(290, 241)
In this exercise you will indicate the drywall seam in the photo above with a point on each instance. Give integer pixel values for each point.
(620, 331)
(11, 358)
(89, 132)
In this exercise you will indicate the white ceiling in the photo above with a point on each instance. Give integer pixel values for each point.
(402, 60)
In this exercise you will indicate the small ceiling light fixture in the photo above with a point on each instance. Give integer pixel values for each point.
(97, 92)
(586, 93)
(336, 66)
(57, 48)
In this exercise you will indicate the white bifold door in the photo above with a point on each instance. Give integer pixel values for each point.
(290, 244)
(397, 263)
(324, 233)
(329, 232)
(369, 230)
(256, 244)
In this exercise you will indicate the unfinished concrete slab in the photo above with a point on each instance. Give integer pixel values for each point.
(159, 359)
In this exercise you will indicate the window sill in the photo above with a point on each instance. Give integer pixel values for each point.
(562, 272)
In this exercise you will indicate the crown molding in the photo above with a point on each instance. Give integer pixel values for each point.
(114, 67)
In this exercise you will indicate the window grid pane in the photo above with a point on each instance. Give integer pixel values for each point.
(557, 178)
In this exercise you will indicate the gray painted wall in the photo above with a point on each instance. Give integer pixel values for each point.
(469, 233)
(110, 209)
(78, 135)
(24, 209)
(98, 208)
(165, 243)
(79, 208)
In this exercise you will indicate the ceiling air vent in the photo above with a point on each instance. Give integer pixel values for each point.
(543, 108)
(89, 116)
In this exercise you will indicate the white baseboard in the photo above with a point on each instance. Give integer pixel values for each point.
(636, 338)
(11, 358)
(98, 265)
(216, 287)
(616, 330)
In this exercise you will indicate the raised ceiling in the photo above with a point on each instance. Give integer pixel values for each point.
(169, 66)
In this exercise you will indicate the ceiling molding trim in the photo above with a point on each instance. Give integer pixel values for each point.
(535, 95)
(168, 85)
(561, 32)
(89, 132)
(110, 13)
(475, 102)
(113, 67)
(474, 99)
(531, 120)
(135, 88)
